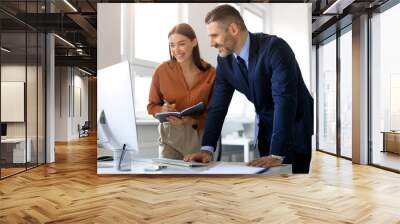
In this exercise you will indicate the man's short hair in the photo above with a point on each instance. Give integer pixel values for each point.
(225, 14)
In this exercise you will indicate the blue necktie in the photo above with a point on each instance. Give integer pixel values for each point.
(243, 68)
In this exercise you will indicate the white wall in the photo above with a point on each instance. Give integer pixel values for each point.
(80, 83)
(33, 125)
(196, 14)
(17, 73)
(67, 114)
(61, 103)
(108, 34)
(292, 22)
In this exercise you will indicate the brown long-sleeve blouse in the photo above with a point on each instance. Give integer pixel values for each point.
(168, 83)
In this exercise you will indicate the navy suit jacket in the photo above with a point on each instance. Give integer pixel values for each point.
(275, 86)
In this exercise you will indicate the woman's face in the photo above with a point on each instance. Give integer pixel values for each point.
(181, 47)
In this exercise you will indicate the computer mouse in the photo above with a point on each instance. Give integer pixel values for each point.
(105, 158)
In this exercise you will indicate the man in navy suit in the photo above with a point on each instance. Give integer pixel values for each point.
(264, 68)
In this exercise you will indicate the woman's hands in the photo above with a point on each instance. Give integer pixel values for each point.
(166, 107)
(182, 121)
(174, 120)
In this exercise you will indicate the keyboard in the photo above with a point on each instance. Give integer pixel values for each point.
(178, 162)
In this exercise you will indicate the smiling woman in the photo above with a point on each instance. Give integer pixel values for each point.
(179, 83)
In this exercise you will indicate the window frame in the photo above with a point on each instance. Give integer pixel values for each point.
(379, 10)
(256, 10)
(144, 64)
(334, 37)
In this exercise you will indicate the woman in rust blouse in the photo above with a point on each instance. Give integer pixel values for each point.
(179, 83)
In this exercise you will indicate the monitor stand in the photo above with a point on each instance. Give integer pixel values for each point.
(121, 159)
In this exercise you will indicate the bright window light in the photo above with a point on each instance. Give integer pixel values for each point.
(142, 88)
(152, 24)
(254, 23)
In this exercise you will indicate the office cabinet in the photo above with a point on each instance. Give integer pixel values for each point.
(391, 142)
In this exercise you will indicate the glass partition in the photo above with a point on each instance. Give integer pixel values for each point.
(327, 96)
(41, 107)
(13, 104)
(22, 77)
(31, 99)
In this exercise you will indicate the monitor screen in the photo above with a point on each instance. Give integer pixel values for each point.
(116, 114)
(3, 129)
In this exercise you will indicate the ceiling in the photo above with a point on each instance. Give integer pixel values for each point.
(76, 22)
(76, 40)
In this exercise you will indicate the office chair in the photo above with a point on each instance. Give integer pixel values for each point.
(84, 130)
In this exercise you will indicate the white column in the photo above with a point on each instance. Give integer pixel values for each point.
(360, 90)
(50, 99)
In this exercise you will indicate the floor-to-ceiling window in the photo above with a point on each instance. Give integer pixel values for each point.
(334, 99)
(327, 95)
(345, 60)
(385, 88)
(22, 77)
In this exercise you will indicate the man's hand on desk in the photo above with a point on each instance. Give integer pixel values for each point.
(265, 161)
(202, 157)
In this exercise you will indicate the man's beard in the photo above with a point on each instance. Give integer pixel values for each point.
(224, 53)
(227, 51)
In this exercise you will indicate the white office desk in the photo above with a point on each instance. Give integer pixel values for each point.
(19, 149)
(138, 167)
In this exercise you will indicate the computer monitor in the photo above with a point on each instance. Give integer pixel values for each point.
(3, 129)
(116, 113)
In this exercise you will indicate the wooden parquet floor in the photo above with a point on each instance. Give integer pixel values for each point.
(70, 191)
(8, 171)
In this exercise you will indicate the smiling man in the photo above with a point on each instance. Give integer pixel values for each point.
(264, 68)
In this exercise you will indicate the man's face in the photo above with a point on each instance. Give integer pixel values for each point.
(221, 39)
